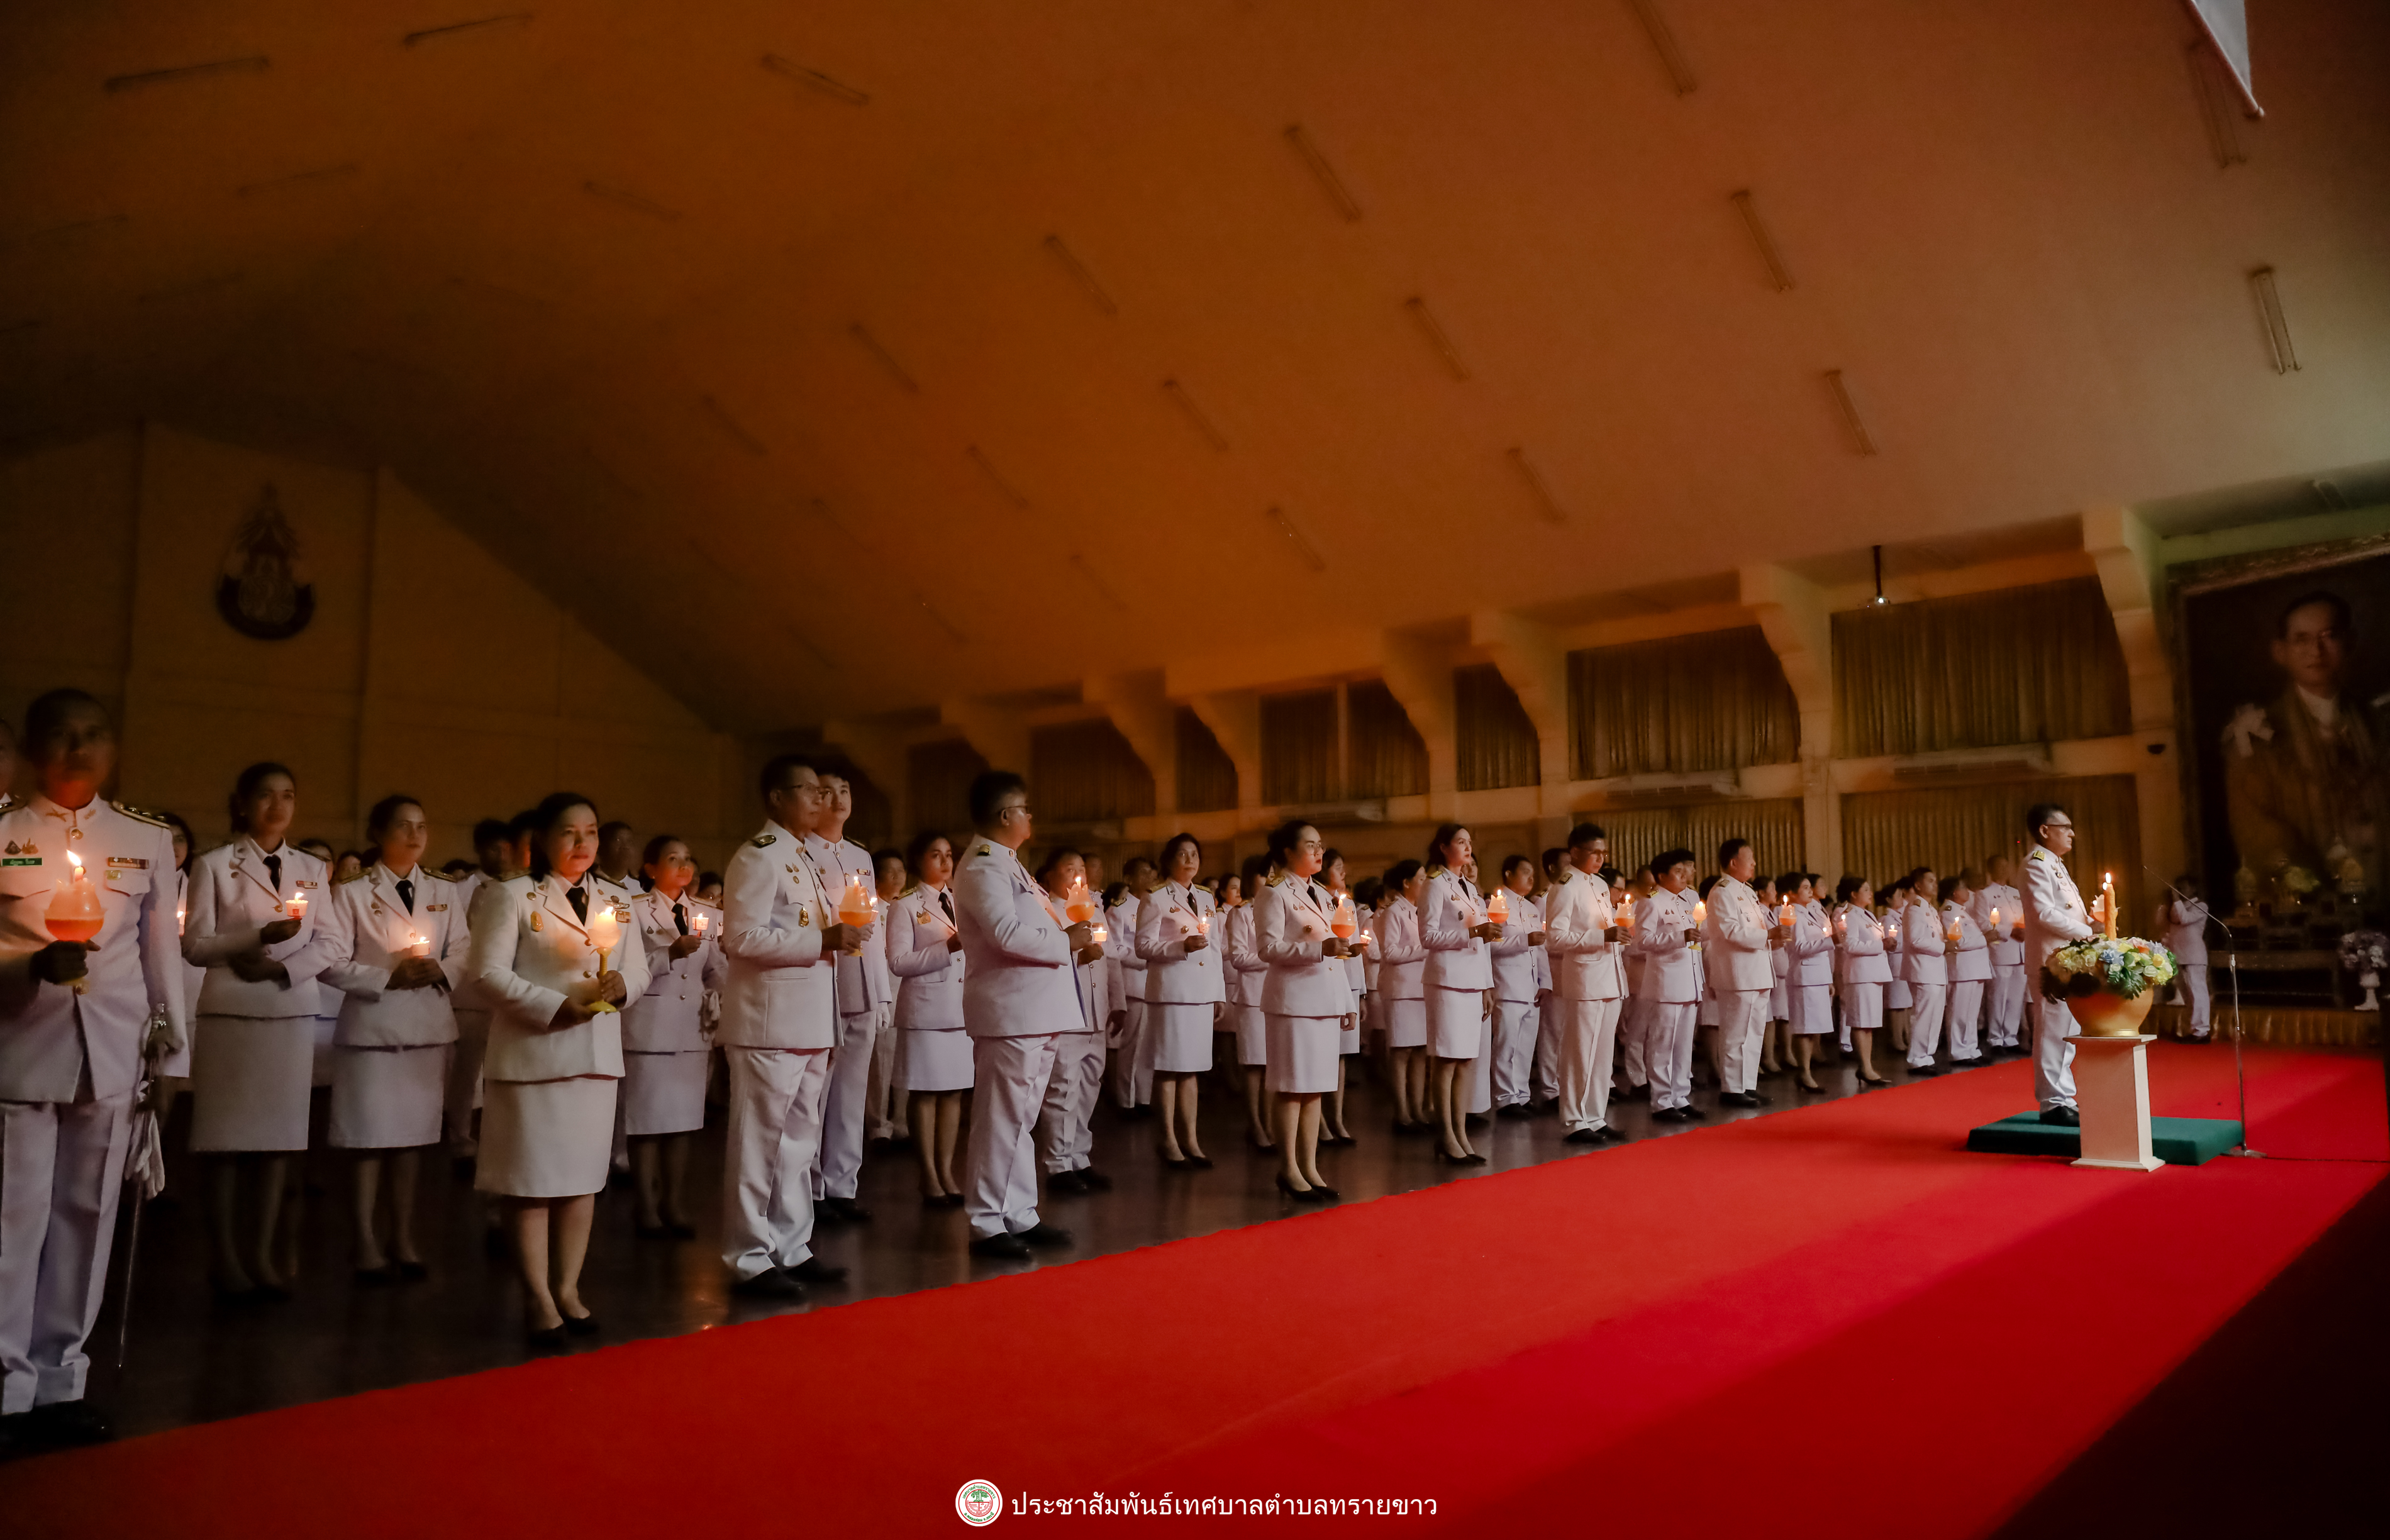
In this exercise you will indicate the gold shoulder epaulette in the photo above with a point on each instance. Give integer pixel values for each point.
(910, 889)
(1435, 871)
(141, 815)
(762, 840)
(1274, 879)
(984, 849)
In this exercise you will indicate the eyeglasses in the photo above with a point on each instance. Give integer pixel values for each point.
(1022, 808)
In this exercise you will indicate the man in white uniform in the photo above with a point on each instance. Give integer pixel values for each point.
(1132, 1068)
(1671, 985)
(2054, 916)
(1066, 1144)
(780, 935)
(1738, 933)
(2186, 936)
(70, 1063)
(1018, 998)
(863, 992)
(2005, 1014)
(1583, 937)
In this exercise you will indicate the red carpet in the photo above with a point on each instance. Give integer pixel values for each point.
(1664, 1329)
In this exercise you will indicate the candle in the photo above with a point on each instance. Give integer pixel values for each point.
(1078, 906)
(1097, 934)
(417, 947)
(2108, 902)
(1784, 916)
(297, 904)
(605, 930)
(1498, 908)
(856, 905)
(1701, 913)
(697, 924)
(1342, 921)
(75, 913)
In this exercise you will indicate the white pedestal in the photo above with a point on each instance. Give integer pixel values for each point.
(2111, 1096)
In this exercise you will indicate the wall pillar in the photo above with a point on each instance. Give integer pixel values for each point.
(1235, 718)
(1535, 667)
(883, 756)
(1420, 674)
(1136, 705)
(1791, 612)
(1000, 735)
(2126, 550)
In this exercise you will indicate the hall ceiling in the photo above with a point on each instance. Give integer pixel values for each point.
(902, 350)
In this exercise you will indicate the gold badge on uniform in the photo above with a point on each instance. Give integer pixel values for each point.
(803, 918)
(535, 919)
(32, 849)
(12, 847)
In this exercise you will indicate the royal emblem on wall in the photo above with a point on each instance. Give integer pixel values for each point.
(265, 591)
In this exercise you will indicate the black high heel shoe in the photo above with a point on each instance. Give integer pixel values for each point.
(581, 1326)
(544, 1338)
(1301, 1195)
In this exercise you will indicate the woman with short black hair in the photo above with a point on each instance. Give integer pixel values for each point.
(1186, 995)
(1306, 1001)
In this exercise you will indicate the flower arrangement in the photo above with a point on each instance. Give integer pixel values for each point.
(2365, 952)
(2124, 967)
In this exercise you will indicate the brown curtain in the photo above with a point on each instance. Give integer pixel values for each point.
(1774, 827)
(1886, 833)
(2022, 665)
(1497, 741)
(1207, 776)
(941, 775)
(1712, 702)
(1388, 757)
(1299, 749)
(1083, 772)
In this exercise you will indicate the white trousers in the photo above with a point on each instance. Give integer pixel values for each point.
(1965, 1012)
(1634, 1043)
(1000, 1164)
(1587, 1044)
(1132, 1064)
(1065, 1140)
(2008, 1006)
(2194, 984)
(776, 1122)
(1551, 1026)
(883, 1099)
(1668, 1047)
(2053, 1056)
(61, 1167)
(840, 1159)
(1742, 1018)
(1925, 1003)
(1515, 1051)
(465, 1079)
(1480, 1079)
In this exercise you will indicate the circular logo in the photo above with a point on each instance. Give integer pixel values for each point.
(979, 1503)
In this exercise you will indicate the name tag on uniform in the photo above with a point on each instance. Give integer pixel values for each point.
(20, 861)
(134, 863)
(434, 908)
(304, 883)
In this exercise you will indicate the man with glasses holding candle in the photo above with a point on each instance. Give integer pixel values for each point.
(75, 1021)
(1585, 939)
(1740, 932)
(863, 994)
(1018, 997)
(2054, 916)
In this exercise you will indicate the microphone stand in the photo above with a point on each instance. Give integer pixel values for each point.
(2240, 1072)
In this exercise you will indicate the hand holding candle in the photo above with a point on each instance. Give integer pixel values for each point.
(75, 914)
(605, 934)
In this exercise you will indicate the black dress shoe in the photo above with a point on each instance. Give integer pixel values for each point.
(651, 1232)
(955, 1200)
(1515, 1110)
(679, 1230)
(1925, 1072)
(65, 1425)
(772, 1283)
(1068, 1183)
(375, 1278)
(581, 1326)
(999, 1246)
(1096, 1180)
(2063, 1117)
(413, 1272)
(1477, 1120)
(1043, 1235)
(846, 1208)
(1610, 1135)
(815, 1270)
(1669, 1114)
(1582, 1135)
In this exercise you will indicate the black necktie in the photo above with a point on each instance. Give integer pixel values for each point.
(947, 904)
(273, 870)
(680, 917)
(580, 901)
(406, 894)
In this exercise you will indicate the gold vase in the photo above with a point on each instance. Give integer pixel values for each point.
(2107, 1015)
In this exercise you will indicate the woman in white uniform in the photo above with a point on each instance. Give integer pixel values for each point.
(1809, 976)
(1896, 998)
(1402, 993)
(1186, 995)
(1227, 902)
(925, 953)
(1241, 949)
(394, 947)
(1866, 970)
(174, 1071)
(1458, 985)
(555, 1055)
(665, 1042)
(1306, 1001)
(250, 922)
(1780, 992)
(1334, 878)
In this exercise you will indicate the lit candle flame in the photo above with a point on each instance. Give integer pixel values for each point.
(76, 862)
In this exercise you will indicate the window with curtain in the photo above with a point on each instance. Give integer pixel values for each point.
(1497, 741)
(1712, 701)
(1887, 833)
(1299, 750)
(2019, 665)
(1773, 826)
(1207, 776)
(1387, 757)
(941, 775)
(1084, 772)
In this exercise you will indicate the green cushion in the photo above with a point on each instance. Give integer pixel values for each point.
(2177, 1141)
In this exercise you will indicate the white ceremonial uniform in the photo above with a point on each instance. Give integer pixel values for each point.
(547, 1119)
(1239, 950)
(390, 1046)
(929, 989)
(1020, 995)
(1809, 983)
(862, 995)
(665, 1047)
(1065, 1136)
(1971, 970)
(1517, 986)
(1402, 971)
(253, 1048)
(1866, 969)
(1305, 995)
(1459, 973)
(1132, 1064)
(1634, 1059)
(2005, 1013)
(2187, 939)
(472, 1015)
(1184, 990)
(70, 1066)
(178, 1063)
(1671, 992)
(1356, 978)
(2054, 916)
(1735, 930)
(1551, 1016)
(1922, 940)
(779, 1017)
(1591, 979)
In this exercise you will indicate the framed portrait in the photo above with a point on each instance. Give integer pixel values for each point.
(2283, 674)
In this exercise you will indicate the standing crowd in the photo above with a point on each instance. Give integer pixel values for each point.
(558, 1011)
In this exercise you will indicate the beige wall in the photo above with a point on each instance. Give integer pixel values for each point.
(429, 668)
